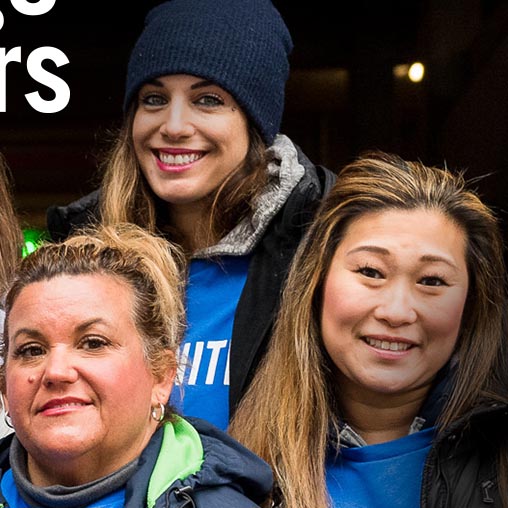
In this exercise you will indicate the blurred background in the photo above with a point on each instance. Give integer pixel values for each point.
(425, 79)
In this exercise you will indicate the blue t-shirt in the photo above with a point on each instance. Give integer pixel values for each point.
(114, 500)
(386, 475)
(213, 291)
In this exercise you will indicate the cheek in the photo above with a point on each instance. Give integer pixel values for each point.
(445, 318)
(140, 130)
(344, 302)
(235, 134)
(21, 388)
(132, 386)
(341, 311)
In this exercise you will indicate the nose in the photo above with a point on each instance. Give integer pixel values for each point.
(59, 368)
(397, 306)
(177, 122)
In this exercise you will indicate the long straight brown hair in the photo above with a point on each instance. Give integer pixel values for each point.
(291, 406)
(10, 231)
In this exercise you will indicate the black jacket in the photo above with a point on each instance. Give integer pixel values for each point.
(267, 270)
(460, 469)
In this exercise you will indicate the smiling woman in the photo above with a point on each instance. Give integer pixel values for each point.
(200, 159)
(392, 341)
(89, 361)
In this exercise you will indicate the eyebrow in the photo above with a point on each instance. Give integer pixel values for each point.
(27, 331)
(33, 333)
(87, 324)
(203, 84)
(426, 258)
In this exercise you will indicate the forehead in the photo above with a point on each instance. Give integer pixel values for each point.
(416, 231)
(73, 296)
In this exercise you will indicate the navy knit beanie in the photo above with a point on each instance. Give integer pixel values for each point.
(241, 45)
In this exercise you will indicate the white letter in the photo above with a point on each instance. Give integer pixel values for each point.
(58, 85)
(216, 346)
(31, 8)
(14, 55)
(196, 362)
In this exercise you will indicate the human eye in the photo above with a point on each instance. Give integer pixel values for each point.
(153, 99)
(432, 280)
(93, 343)
(370, 272)
(29, 350)
(210, 100)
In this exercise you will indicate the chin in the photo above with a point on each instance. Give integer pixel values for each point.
(61, 442)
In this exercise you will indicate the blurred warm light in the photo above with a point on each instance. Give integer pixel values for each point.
(416, 72)
(400, 71)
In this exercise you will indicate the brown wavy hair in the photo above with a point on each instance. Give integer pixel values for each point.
(11, 238)
(291, 406)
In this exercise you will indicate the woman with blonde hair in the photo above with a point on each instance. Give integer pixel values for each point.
(385, 383)
(92, 329)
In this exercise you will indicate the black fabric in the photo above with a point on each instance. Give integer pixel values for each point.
(259, 301)
(460, 470)
(63, 220)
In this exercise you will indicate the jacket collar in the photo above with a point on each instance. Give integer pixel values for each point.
(284, 173)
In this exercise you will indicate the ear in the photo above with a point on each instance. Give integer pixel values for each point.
(4, 402)
(163, 384)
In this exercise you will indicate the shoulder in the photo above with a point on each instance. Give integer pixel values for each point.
(467, 451)
(230, 471)
(62, 220)
(316, 182)
(317, 178)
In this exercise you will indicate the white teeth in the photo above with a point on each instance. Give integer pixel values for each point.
(180, 159)
(386, 345)
(70, 404)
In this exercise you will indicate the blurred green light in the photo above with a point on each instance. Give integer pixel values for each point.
(32, 239)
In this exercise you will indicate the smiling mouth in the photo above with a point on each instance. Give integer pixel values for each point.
(387, 345)
(64, 405)
(180, 159)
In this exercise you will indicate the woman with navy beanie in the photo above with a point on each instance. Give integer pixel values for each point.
(200, 160)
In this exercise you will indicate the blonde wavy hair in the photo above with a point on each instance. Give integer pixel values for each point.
(150, 266)
(290, 409)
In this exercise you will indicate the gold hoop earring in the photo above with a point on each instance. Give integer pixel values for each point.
(162, 412)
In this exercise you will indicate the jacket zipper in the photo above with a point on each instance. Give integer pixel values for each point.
(486, 486)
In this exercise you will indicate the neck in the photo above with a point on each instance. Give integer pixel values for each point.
(379, 417)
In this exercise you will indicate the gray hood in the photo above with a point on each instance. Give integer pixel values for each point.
(284, 173)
